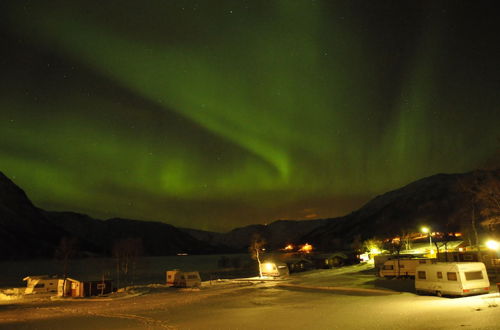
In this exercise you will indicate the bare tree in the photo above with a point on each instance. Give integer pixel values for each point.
(66, 250)
(126, 251)
(395, 246)
(406, 239)
(483, 191)
(372, 244)
(255, 248)
(357, 244)
(489, 194)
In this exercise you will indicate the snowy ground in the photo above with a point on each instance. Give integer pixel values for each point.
(319, 299)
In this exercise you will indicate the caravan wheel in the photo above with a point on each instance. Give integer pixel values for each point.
(439, 293)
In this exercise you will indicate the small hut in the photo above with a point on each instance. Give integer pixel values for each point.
(71, 287)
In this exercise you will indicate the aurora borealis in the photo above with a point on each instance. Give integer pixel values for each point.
(216, 114)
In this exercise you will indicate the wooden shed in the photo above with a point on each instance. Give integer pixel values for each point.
(71, 287)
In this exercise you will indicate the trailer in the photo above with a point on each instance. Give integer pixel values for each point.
(274, 269)
(403, 267)
(41, 283)
(179, 279)
(452, 278)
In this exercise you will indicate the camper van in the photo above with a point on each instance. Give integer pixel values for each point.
(452, 278)
(402, 267)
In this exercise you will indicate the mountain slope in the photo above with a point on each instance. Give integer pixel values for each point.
(445, 202)
(277, 234)
(27, 231)
(24, 230)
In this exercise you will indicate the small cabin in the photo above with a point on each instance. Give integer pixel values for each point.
(329, 260)
(41, 283)
(75, 288)
(179, 279)
(298, 264)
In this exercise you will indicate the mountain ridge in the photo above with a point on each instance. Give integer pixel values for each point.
(442, 201)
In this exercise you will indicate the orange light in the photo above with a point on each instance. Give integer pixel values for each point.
(289, 247)
(306, 248)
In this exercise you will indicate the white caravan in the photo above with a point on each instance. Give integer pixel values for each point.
(42, 283)
(274, 269)
(402, 267)
(452, 278)
(180, 279)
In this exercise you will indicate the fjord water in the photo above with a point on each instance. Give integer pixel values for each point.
(144, 270)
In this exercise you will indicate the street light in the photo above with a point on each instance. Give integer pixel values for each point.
(427, 231)
(492, 245)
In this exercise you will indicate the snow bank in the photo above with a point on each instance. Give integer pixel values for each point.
(11, 294)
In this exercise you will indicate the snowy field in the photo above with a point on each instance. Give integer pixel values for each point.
(345, 298)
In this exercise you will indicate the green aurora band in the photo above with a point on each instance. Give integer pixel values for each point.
(216, 116)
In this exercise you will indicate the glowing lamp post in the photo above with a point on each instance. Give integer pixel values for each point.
(493, 245)
(427, 231)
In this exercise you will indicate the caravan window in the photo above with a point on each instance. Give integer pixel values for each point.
(422, 261)
(470, 276)
(451, 276)
(388, 267)
(39, 285)
(421, 275)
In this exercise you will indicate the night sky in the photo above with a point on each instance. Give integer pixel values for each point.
(217, 114)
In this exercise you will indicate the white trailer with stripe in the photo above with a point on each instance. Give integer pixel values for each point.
(452, 278)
